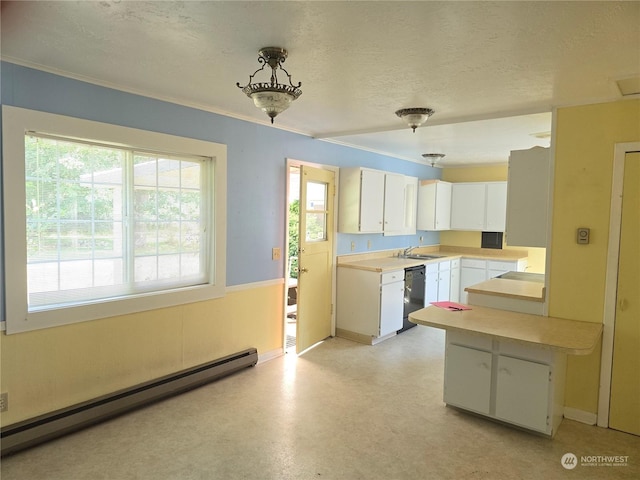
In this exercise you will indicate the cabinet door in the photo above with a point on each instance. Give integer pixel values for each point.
(431, 284)
(468, 202)
(434, 205)
(393, 203)
(467, 378)
(470, 276)
(443, 206)
(444, 280)
(528, 194)
(391, 307)
(371, 200)
(522, 392)
(454, 290)
(444, 285)
(410, 205)
(496, 213)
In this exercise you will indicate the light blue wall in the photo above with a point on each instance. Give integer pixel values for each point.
(255, 161)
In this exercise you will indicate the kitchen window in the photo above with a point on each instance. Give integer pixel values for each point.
(116, 220)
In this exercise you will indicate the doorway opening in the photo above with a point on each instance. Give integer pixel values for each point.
(291, 308)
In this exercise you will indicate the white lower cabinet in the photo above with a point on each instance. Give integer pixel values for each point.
(467, 378)
(369, 304)
(437, 282)
(391, 304)
(522, 392)
(454, 285)
(476, 270)
(510, 382)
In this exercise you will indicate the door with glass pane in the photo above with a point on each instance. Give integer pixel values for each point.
(317, 190)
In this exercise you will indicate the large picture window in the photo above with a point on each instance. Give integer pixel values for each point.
(105, 221)
(115, 220)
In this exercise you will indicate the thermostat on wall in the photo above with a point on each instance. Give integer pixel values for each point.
(583, 236)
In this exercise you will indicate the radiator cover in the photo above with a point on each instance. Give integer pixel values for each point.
(55, 424)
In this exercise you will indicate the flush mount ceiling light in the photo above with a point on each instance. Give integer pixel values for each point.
(272, 97)
(415, 116)
(433, 158)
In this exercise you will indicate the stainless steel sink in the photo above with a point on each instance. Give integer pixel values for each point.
(420, 256)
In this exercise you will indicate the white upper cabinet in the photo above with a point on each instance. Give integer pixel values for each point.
(409, 208)
(479, 206)
(468, 204)
(361, 202)
(393, 203)
(496, 207)
(434, 205)
(528, 197)
(374, 201)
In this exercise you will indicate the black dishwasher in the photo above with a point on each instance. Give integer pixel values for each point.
(414, 278)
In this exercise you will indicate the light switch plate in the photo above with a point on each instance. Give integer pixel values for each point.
(583, 236)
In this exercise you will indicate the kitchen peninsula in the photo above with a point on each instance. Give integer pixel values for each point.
(509, 366)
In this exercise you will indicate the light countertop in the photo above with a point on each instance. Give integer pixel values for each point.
(502, 287)
(572, 337)
(387, 263)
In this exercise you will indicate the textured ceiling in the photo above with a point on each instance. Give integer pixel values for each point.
(492, 71)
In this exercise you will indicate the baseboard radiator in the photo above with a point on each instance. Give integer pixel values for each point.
(28, 433)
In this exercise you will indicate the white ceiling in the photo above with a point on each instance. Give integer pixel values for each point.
(492, 71)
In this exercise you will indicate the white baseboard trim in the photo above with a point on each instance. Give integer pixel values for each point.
(270, 355)
(580, 416)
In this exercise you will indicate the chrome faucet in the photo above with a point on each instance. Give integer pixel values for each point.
(407, 251)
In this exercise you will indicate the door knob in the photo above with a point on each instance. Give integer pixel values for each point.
(303, 270)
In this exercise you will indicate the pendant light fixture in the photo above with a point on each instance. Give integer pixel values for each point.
(271, 97)
(415, 116)
(433, 158)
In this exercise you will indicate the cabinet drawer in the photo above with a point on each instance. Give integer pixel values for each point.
(506, 266)
(481, 342)
(474, 263)
(526, 353)
(390, 277)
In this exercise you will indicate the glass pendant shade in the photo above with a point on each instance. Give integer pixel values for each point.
(272, 103)
(272, 97)
(414, 117)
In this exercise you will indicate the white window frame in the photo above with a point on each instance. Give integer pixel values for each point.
(18, 121)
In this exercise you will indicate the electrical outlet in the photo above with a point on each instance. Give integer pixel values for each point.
(275, 253)
(4, 402)
(353, 246)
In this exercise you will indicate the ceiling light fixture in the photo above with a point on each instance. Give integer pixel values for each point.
(415, 116)
(433, 158)
(271, 97)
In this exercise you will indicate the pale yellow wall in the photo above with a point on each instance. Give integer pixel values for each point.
(48, 369)
(585, 138)
(536, 256)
